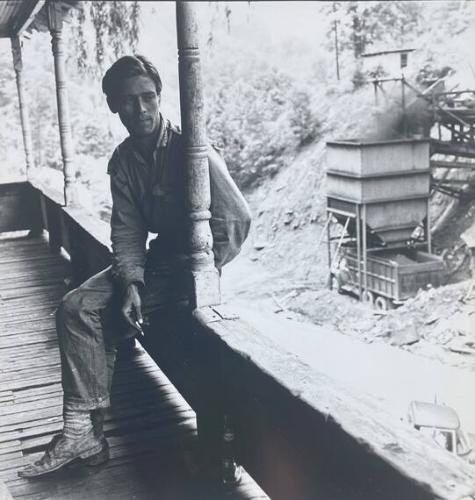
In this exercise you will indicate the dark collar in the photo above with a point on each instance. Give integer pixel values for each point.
(162, 139)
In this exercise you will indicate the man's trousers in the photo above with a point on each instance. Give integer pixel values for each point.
(89, 324)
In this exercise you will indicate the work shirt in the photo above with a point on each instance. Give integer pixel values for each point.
(151, 197)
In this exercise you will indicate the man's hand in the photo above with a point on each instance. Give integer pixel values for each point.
(132, 308)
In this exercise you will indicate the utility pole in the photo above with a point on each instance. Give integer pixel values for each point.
(335, 30)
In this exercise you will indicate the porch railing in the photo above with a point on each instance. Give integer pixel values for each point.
(299, 433)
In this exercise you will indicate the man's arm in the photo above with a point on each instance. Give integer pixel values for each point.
(230, 215)
(128, 236)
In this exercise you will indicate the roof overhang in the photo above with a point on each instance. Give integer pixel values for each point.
(16, 16)
(19, 16)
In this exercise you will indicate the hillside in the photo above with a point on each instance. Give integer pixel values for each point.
(283, 270)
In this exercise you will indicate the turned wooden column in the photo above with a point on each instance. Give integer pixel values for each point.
(204, 277)
(55, 23)
(25, 122)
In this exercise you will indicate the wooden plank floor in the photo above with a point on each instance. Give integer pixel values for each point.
(149, 426)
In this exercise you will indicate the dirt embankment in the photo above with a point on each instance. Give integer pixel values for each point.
(284, 270)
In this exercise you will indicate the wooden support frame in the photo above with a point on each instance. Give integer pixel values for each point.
(365, 247)
(329, 249)
(332, 258)
(358, 249)
(464, 149)
(428, 228)
(340, 241)
(358, 215)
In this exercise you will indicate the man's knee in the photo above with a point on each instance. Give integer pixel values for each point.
(71, 305)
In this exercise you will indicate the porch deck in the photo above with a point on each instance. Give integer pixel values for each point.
(150, 426)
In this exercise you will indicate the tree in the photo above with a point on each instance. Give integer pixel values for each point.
(364, 23)
(103, 31)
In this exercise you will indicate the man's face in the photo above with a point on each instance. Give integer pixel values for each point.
(138, 105)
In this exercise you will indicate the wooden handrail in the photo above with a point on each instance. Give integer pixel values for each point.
(368, 453)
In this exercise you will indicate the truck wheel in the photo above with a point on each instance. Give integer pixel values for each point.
(367, 297)
(381, 304)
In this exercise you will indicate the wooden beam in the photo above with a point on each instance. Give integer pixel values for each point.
(23, 104)
(204, 278)
(55, 23)
(457, 149)
(23, 23)
(452, 164)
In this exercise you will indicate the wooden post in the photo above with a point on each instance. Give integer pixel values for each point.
(375, 83)
(23, 105)
(203, 274)
(337, 49)
(403, 104)
(55, 23)
(53, 214)
(358, 250)
(365, 249)
(329, 250)
(428, 228)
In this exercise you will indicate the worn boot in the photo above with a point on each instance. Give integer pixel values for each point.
(97, 419)
(78, 440)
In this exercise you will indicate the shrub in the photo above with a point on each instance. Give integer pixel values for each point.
(260, 118)
(93, 139)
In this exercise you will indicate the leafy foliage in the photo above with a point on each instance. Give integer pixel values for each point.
(425, 26)
(361, 24)
(11, 147)
(260, 115)
(104, 31)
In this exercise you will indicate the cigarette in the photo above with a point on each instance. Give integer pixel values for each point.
(139, 327)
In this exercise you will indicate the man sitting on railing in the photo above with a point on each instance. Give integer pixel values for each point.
(148, 192)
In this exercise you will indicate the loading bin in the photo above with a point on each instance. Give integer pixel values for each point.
(378, 192)
(391, 179)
